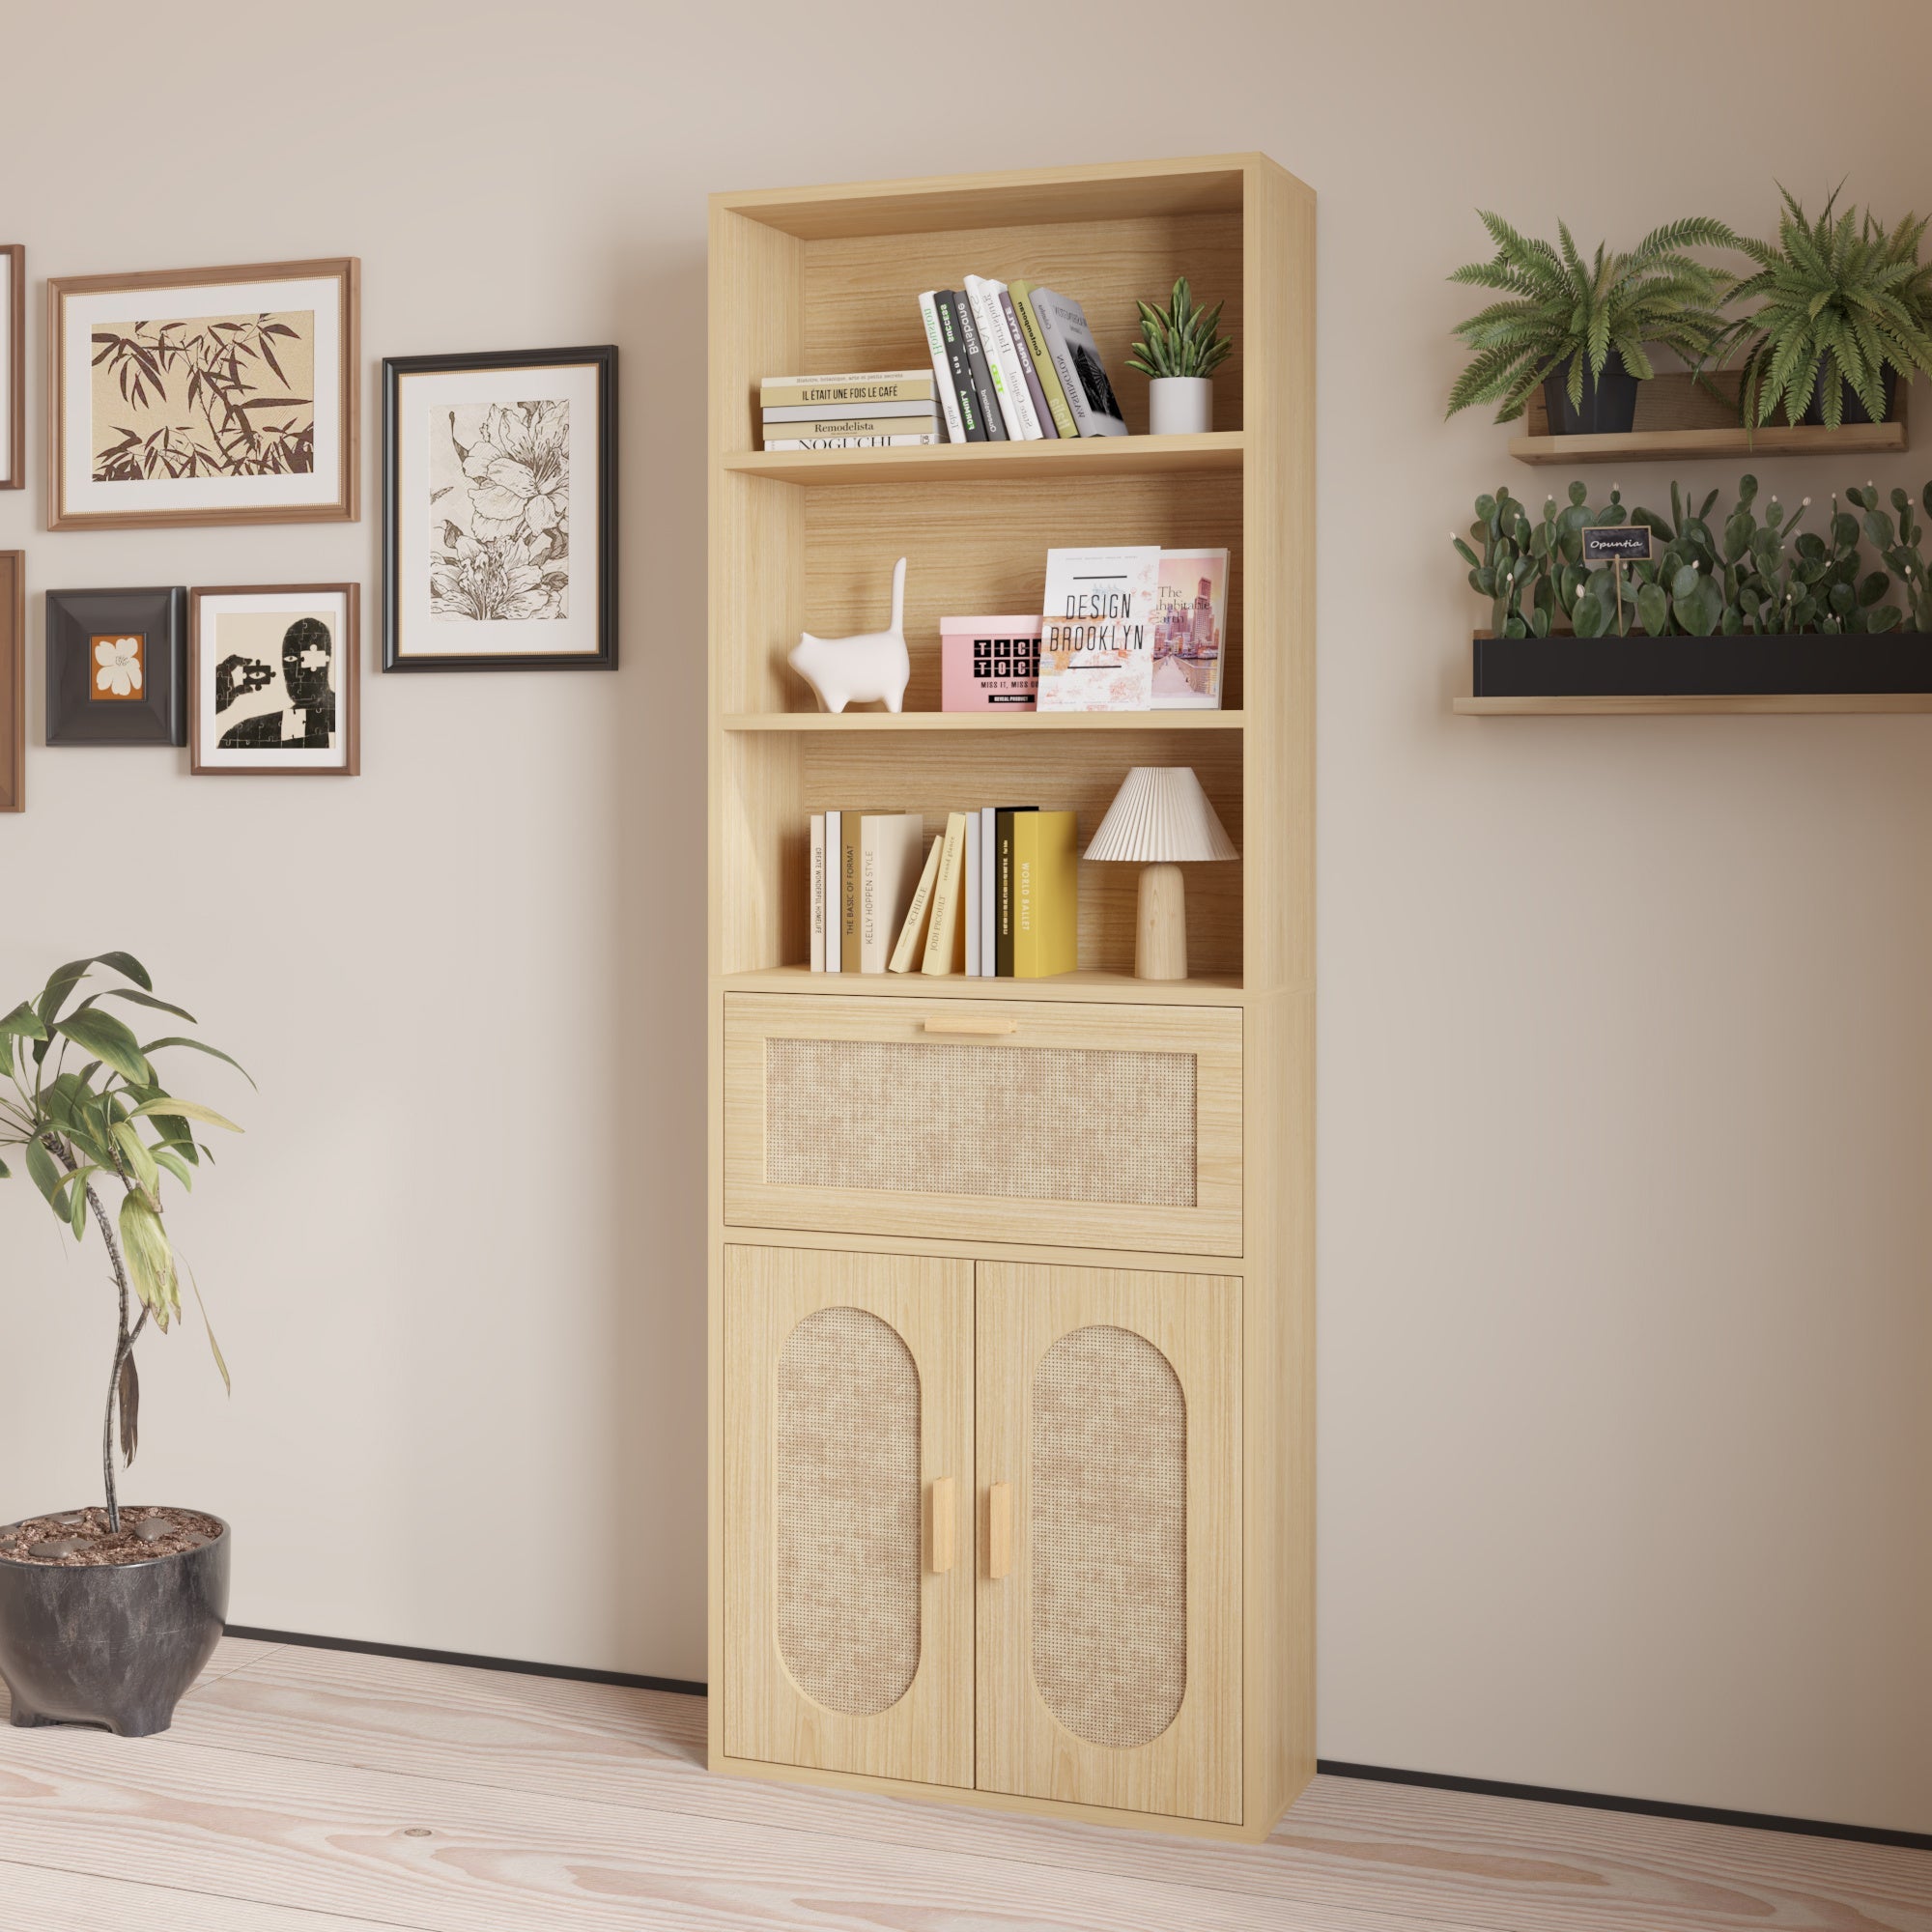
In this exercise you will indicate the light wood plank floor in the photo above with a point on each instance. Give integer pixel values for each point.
(319, 1791)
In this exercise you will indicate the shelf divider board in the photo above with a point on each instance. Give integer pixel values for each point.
(1123, 987)
(888, 723)
(1221, 452)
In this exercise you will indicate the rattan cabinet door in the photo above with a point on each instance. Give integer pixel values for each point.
(1050, 1123)
(1110, 1498)
(848, 1520)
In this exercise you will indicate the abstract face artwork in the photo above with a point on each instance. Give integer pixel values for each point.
(273, 677)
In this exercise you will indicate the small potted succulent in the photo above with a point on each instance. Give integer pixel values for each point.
(1580, 331)
(1844, 310)
(109, 1614)
(1180, 347)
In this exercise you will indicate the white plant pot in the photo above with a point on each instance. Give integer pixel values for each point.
(1181, 404)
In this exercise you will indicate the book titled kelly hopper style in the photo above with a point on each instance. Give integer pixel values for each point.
(1097, 641)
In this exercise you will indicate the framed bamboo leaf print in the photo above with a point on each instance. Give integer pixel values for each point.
(499, 511)
(203, 396)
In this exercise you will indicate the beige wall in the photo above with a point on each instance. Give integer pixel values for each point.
(1626, 1037)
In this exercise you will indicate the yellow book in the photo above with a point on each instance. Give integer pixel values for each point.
(1046, 895)
(946, 936)
(910, 948)
(1042, 357)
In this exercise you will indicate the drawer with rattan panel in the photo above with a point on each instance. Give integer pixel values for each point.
(1064, 1124)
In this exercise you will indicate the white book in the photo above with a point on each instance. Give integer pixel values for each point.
(890, 848)
(792, 413)
(818, 892)
(989, 931)
(942, 368)
(851, 441)
(1003, 359)
(832, 831)
(971, 895)
(847, 377)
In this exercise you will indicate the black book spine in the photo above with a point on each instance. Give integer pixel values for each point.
(960, 365)
(1003, 888)
(983, 376)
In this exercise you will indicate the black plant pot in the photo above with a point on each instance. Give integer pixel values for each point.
(1641, 666)
(1609, 402)
(1855, 410)
(114, 1644)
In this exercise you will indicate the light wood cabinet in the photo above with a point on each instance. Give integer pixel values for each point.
(1016, 1272)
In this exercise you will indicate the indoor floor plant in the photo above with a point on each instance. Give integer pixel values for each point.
(1580, 331)
(107, 1615)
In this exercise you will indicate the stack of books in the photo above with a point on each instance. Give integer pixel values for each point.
(996, 896)
(1015, 362)
(882, 410)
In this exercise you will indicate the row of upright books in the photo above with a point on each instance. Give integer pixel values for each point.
(995, 896)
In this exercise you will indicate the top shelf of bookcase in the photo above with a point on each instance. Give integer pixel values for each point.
(1222, 451)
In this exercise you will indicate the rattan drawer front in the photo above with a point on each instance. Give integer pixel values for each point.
(1065, 1124)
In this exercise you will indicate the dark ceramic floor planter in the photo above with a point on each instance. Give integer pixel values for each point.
(1565, 667)
(1855, 412)
(1609, 402)
(116, 1644)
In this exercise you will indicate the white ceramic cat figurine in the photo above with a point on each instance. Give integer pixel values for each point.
(857, 671)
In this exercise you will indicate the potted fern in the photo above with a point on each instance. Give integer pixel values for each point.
(1843, 312)
(1581, 332)
(1180, 347)
(109, 1614)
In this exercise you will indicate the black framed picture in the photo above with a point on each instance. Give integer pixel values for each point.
(116, 673)
(499, 511)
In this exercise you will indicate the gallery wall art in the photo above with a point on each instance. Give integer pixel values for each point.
(499, 504)
(273, 674)
(13, 366)
(115, 673)
(203, 396)
(12, 680)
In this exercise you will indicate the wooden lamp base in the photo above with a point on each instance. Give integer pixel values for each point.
(1160, 925)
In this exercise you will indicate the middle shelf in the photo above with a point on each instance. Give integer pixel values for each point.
(985, 721)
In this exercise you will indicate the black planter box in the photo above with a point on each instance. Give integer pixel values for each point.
(1801, 664)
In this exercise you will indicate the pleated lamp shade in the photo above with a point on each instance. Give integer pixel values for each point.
(1161, 816)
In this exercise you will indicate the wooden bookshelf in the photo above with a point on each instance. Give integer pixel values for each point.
(1216, 1278)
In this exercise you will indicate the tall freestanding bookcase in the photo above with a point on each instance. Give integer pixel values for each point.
(1012, 1302)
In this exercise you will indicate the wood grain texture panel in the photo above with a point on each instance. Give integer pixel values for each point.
(35, 1899)
(1210, 1037)
(926, 1735)
(977, 545)
(1096, 987)
(1075, 460)
(1079, 772)
(1193, 1768)
(1351, 1853)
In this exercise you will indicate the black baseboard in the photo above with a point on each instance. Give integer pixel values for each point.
(515, 1666)
(1591, 1800)
(1649, 1808)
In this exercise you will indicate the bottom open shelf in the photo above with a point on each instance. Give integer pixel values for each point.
(1102, 987)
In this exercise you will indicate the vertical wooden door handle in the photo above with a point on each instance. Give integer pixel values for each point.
(998, 1530)
(944, 1534)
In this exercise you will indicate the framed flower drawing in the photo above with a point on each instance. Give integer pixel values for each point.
(13, 366)
(273, 676)
(114, 666)
(203, 396)
(499, 511)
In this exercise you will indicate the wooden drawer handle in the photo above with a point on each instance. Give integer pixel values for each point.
(944, 1534)
(998, 1530)
(973, 1023)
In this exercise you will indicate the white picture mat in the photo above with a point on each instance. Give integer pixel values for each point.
(81, 496)
(7, 370)
(420, 634)
(212, 724)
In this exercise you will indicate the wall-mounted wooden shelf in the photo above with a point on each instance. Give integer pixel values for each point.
(1778, 705)
(1677, 421)
(1220, 452)
(888, 722)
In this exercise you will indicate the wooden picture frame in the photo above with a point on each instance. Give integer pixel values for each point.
(14, 365)
(484, 563)
(12, 680)
(88, 704)
(216, 686)
(192, 413)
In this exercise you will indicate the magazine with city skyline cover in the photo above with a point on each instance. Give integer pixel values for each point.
(1190, 630)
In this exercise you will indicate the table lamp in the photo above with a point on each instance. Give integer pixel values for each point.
(1160, 817)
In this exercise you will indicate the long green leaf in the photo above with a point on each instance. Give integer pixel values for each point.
(135, 1151)
(191, 1110)
(46, 1174)
(24, 1021)
(149, 1258)
(139, 999)
(112, 1040)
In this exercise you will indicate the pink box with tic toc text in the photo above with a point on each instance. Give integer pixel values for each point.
(988, 663)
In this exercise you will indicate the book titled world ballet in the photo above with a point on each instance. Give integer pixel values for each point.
(1096, 636)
